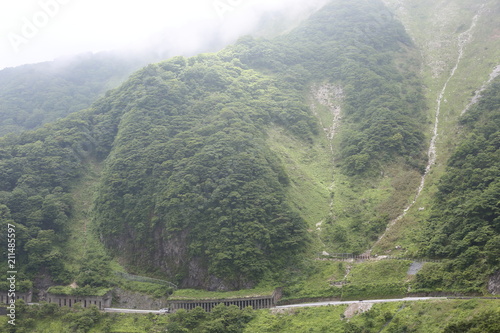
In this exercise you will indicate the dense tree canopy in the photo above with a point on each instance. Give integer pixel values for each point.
(33, 95)
(189, 187)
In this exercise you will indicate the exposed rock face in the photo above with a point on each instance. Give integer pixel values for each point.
(42, 283)
(494, 284)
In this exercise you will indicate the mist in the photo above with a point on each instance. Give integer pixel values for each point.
(49, 29)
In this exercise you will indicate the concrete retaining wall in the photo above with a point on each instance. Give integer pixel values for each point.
(262, 302)
(85, 301)
(4, 297)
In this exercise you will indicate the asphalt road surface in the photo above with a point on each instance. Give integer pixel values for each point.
(406, 299)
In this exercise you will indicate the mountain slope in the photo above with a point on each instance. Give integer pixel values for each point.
(197, 185)
(33, 95)
(460, 51)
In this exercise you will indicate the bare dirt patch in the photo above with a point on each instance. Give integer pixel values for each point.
(357, 308)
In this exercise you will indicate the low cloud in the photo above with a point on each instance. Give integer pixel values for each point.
(42, 30)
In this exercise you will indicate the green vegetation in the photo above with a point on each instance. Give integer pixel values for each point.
(387, 271)
(187, 185)
(33, 95)
(416, 317)
(49, 318)
(83, 291)
(222, 319)
(188, 294)
(344, 280)
(357, 44)
(435, 27)
(464, 225)
(425, 317)
(318, 281)
(214, 173)
(203, 175)
(153, 289)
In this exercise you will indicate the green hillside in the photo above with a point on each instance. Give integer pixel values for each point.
(191, 186)
(370, 128)
(418, 317)
(33, 95)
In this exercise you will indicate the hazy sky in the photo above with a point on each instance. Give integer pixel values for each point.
(39, 30)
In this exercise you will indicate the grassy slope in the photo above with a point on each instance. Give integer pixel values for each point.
(315, 179)
(362, 280)
(325, 197)
(81, 235)
(423, 316)
(435, 27)
(428, 317)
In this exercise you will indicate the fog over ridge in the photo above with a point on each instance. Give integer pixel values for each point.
(43, 30)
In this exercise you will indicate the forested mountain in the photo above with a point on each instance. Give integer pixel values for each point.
(224, 170)
(189, 186)
(36, 94)
(32, 95)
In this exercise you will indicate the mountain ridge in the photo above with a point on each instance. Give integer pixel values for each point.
(217, 171)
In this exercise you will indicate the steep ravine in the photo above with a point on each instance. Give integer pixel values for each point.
(330, 97)
(462, 41)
